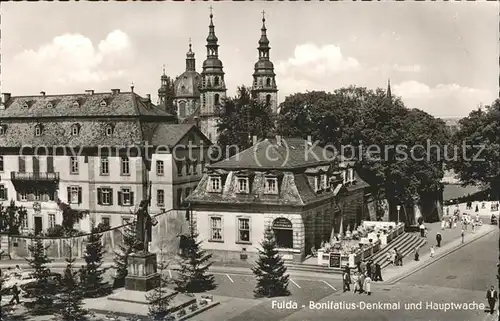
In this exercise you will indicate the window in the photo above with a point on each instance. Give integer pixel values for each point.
(160, 168)
(125, 197)
(271, 185)
(3, 193)
(25, 105)
(125, 220)
(179, 166)
(76, 104)
(216, 228)
(283, 232)
(351, 175)
(52, 220)
(188, 167)
(216, 81)
(188, 191)
(103, 103)
(216, 99)
(324, 180)
(23, 196)
(105, 196)
(125, 166)
(195, 167)
(317, 183)
(38, 130)
(104, 165)
(243, 184)
(1, 163)
(344, 177)
(75, 195)
(37, 195)
(160, 197)
(268, 82)
(215, 184)
(243, 229)
(182, 109)
(2, 130)
(268, 99)
(109, 130)
(73, 165)
(75, 130)
(105, 221)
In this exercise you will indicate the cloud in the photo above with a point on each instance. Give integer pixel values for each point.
(443, 99)
(399, 68)
(71, 60)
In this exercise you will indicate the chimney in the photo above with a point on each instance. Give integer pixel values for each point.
(254, 140)
(5, 97)
(42, 93)
(115, 91)
(309, 140)
(278, 140)
(89, 92)
(197, 121)
(148, 97)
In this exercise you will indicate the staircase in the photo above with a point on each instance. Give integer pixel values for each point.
(404, 243)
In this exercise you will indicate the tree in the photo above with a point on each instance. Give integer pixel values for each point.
(121, 256)
(195, 262)
(387, 141)
(70, 217)
(93, 283)
(11, 220)
(243, 117)
(477, 149)
(44, 290)
(270, 271)
(159, 298)
(70, 300)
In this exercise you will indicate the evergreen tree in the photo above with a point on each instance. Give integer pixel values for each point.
(43, 290)
(93, 283)
(159, 299)
(194, 265)
(121, 256)
(71, 295)
(270, 270)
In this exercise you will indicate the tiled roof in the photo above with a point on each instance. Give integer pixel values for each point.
(268, 154)
(171, 134)
(119, 104)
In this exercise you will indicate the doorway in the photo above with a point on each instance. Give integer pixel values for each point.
(38, 225)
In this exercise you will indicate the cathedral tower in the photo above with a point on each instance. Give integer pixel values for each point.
(213, 88)
(264, 79)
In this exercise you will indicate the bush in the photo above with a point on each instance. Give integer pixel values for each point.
(203, 302)
(55, 231)
(193, 307)
(182, 312)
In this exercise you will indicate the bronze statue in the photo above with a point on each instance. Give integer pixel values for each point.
(144, 222)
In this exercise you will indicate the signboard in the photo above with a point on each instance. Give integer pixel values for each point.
(282, 223)
(334, 260)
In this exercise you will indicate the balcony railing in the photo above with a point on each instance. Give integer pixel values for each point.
(18, 176)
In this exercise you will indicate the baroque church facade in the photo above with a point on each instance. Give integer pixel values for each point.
(198, 96)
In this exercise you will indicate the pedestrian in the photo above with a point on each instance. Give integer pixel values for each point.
(367, 285)
(363, 266)
(378, 272)
(83, 273)
(455, 222)
(347, 281)
(355, 280)
(492, 297)
(359, 266)
(422, 230)
(438, 239)
(394, 257)
(369, 268)
(463, 234)
(388, 256)
(477, 208)
(432, 251)
(473, 227)
(361, 281)
(416, 255)
(15, 295)
(443, 223)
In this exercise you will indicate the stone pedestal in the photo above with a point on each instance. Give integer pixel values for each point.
(142, 272)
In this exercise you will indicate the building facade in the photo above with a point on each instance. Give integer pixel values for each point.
(274, 184)
(98, 152)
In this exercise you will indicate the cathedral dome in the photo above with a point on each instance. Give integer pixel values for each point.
(264, 64)
(212, 63)
(187, 84)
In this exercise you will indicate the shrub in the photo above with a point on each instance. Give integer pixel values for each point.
(194, 307)
(203, 302)
(182, 312)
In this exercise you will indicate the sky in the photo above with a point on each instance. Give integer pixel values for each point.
(441, 57)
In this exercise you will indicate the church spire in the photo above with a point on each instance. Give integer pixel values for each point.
(389, 94)
(263, 42)
(190, 60)
(212, 45)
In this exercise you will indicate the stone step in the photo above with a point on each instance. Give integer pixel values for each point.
(312, 268)
(398, 240)
(408, 248)
(398, 244)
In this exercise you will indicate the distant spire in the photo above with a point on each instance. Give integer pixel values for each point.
(190, 61)
(132, 87)
(164, 70)
(212, 40)
(389, 94)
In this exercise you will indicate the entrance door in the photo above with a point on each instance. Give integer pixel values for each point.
(38, 225)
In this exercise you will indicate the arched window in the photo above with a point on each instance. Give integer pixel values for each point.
(268, 82)
(283, 233)
(216, 81)
(182, 109)
(268, 99)
(216, 99)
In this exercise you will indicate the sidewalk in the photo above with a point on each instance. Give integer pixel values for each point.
(451, 242)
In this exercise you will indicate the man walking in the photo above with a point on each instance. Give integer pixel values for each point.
(438, 239)
(492, 297)
(15, 295)
(347, 281)
(378, 273)
(463, 234)
(422, 230)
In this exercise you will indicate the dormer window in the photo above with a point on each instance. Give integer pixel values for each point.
(344, 177)
(75, 130)
(49, 105)
(243, 185)
(317, 183)
(215, 184)
(109, 130)
(103, 103)
(351, 175)
(324, 181)
(2, 129)
(76, 104)
(38, 130)
(271, 185)
(26, 105)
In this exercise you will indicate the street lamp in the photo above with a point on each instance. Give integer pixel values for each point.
(398, 208)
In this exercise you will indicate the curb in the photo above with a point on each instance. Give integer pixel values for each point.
(404, 275)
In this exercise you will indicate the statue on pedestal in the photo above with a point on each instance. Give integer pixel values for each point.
(144, 223)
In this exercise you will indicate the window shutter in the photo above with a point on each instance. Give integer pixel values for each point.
(110, 196)
(119, 198)
(79, 195)
(131, 198)
(22, 164)
(50, 164)
(6, 196)
(69, 194)
(18, 196)
(55, 196)
(99, 196)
